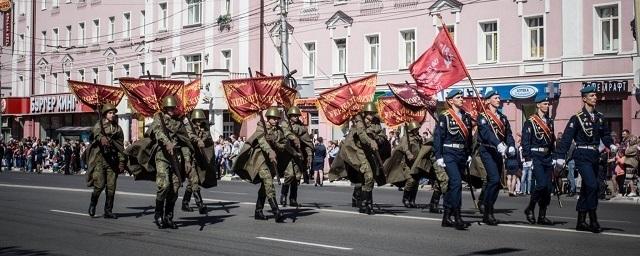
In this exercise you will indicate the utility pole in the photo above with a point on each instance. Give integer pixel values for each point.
(284, 38)
(262, 36)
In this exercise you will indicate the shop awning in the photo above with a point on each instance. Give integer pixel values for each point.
(74, 129)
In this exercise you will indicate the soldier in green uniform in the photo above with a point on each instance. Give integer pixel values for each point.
(297, 133)
(366, 132)
(258, 159)
(106, 159)
(173, 151)
(409, 146)
(200, 136)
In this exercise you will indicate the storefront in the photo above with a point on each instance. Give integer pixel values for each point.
(59, 116)
(13, 108)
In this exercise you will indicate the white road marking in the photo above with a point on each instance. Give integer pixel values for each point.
(73, 213)
(601, 220)
(323, 210)
(304, 243)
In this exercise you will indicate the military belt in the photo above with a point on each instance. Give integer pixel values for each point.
(454, 145)
(543, 150)
(589, 147)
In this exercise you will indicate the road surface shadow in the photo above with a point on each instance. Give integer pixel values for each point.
(202, 220)
(294, 213)
(146, 210)
(496, 251)
(317, 205)
(225, 206)
(16, 250)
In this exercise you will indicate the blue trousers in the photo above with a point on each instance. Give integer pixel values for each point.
(586, 162)
(542, 172)
(493, 163)
(456, 161)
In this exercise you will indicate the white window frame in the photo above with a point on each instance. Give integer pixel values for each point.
(95, 72)
(67, 76)
(143, 68)
(55, 38)
(43, 45)
(96, 32)
(55, 4)
(336, 56)
(190, 63)
(68, 37)
(126, 70)
(111, 30)
(143, 23)
(482, 50)
(526, 33)
(43, 83)
(226, 7)
(43, 5)
(54, 77)
(403, 62)
(197, 19)
(597, 29)
(81, 75)
(226, 61)
(22, 7)
(110, 75)
(164, 14)
(307, 62)
(367, 53)
(82, 27)
(126, 26)
(162, 62)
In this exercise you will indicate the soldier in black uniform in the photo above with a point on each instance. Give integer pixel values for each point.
(496, 143)
(452, 145)
(538, 144)
(587, 129)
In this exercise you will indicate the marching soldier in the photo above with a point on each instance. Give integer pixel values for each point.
(410, 147)
(257, 161)
(378, 145)
(587, 129)
(106, 159)
(173, 148)
(201, 137)
(452, 143)
(538, 140)
(297, 167)
(496, 141)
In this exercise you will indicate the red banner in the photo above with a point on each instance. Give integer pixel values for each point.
(439, 67)
(94, 95)
(408, 94)
(146, 95)
(267, 89)
(363, 89)
(338, 104)
(6, 28)
(393, 112)
(473, 106)
(246, 97)
(190, 95)
(304, 118)
(287, 96)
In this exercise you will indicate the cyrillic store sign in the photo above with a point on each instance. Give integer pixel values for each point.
(608, 86)
(508, 91)
(61, 103)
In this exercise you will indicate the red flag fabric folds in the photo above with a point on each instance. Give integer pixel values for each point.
(393, 112)
(145, 95)
(94, 95)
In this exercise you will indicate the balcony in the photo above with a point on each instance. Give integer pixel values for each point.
(405, 3)
(371, 7)
(309, 12)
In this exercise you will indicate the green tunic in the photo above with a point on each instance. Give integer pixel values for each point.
(100, 158)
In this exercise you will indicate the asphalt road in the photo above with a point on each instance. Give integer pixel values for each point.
(46, 215)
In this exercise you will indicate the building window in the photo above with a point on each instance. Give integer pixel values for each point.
(21, 45)
(55, 3)
(407, 48)
(43, 84)
(81, 75)
(163, 66)
(96, 75)
(55, 39)
(43, 46)
(340, 56)
(21, 81)
(535, 36)
(193, 11)
(96, 31)
(227, 7)
(143, 70)
(310, 61)
(112, 28)
(489, 43)
(452, 32)
(81, 35)
(143, 25)
(228, 125)
(163, 16)
(126, 26)
(372, 53)
(67, 76)
(126, 70)
(44, 4)
(193, 63)
(54, 77)
(226, 59)
(68, 37)
(607, 28)
(110, 76)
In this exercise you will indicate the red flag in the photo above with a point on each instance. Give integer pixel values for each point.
(287, 96)
(439, 67)
(94, 95)
(473, 106)
(145, 95)
(241, 98)
(363, 89)
(393, 112)
(337, 104)
(190, 95)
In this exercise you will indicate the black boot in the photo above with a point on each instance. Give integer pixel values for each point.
(108, 208)
(202, 208)
(542, 217)
(158, 218)
(529, 212)
(593, 220)
(185, 201)
(435, 201)
(488, 216)
(283, 194)
(481, 207)
(93, 203)
(293, 196)
(412, 198)
(459, 223)
(276, 211)
(446, 218)
(168, 214)
(259, 215)
(582, 222)
(406, 195)
(356, 197)
(368, 202)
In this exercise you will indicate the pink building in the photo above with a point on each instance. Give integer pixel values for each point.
(520, 48)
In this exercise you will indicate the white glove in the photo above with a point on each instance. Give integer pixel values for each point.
(512, 151)
(553, 162)
(440, 162)
(528, 164)
(502, 148)
(613, 148)
(469, 161)
(559, 162)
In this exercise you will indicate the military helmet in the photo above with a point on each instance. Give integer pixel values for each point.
(273, 112)
(370, 107)
(169, 102)
(294, 111)
(198, 114)
(412, 126)
(108, 107)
